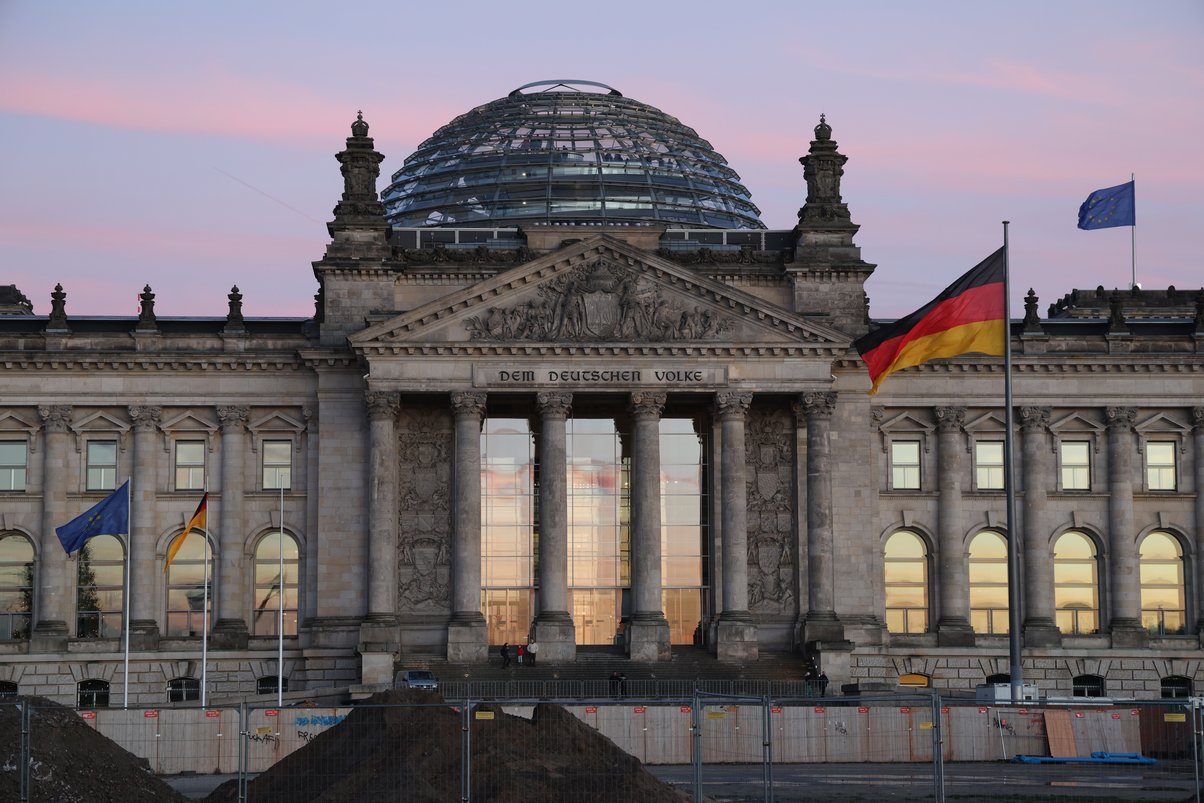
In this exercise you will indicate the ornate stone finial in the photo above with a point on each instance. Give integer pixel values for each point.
(320, 304)
(554, 405)
(234, 316)
(146, 317)
(950, 419)
(359, 128)
(382, 404)
(1116, 313)
(647, 404)
(822, 168)
(823, 131)
(1200, 312)
(1032, 321)
(58, 310)
(819, 404)
(468, 403)
(732, 403)
(233, 418)
(145, 418)
(1034, 419)
(1120, 419)
(55, 417)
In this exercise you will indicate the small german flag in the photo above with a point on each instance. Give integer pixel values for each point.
(967, 317)
(197, 521)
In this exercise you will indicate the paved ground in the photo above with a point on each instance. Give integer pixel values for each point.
(845, 783)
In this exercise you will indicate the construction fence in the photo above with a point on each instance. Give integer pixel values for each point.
(706, 744)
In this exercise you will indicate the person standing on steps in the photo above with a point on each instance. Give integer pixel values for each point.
(521, 651)
(505, 653)
(532, 648)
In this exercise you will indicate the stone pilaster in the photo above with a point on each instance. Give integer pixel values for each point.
(1040, 629)
(821, 623)
(55, 586)
(144, 627)
(736, 636)
(953, 576)
(1124, 570)
(230, 630)
(554, 629)
(648, 630)
(1197, 434)
(467, 638)
(380, 641)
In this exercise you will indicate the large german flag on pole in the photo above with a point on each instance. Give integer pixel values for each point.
(967, 317)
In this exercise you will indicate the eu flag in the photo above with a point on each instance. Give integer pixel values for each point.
(1112, 206)
(109, 517)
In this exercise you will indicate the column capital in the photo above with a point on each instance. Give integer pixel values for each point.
(1034, 419)
(554, 405)
(1197, 419)
(382, 404)
(1120, 419)
(647, 404)
(233, 418)
(818, 404)
(55, 417)
(467, 403)
(145, 418)
(950, 419)
(732, 403)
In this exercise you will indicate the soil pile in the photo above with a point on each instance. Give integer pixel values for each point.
(412, 753)
(72, 762)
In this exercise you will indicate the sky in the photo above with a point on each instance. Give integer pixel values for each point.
(191, 146)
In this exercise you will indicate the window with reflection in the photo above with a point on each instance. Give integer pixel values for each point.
(988, 465)
(1163, 610)
(1075, 457)
(1160, 466)
(268, 583)
(102, 465)
(905, 465)
(190, 465)
(1076, 584)
(906, 583)
(186, 597)
(13, 457)
(914, 680)
(989, 583)
(16, 586)
(8, 689)
(277, 465)
(100, 586)
(683, 528)
(508, 538)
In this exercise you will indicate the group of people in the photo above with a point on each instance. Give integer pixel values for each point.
(524, 653)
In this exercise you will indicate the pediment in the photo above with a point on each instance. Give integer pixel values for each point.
(599, 292)
(100, 421)
(188, 421)
(1075, 422)
(1163, 423)
(987, 422)
(905, 422)
(276, 422)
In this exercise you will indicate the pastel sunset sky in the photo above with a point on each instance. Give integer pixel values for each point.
(191, 146)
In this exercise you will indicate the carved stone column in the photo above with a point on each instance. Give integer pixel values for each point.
(648, 630)
(466, 633)
(1124, 570)
(1197, 420)
(230, 630)
(380, 641)
(821, 622)
(736, 636)
(953, 573)
(141, 595)
(1040, 629)
(554, 629)
(55, 588)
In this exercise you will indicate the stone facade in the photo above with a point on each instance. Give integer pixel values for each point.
(380, 399)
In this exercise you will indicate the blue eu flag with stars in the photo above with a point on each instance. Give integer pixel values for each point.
(109, 517)
(1112, 206)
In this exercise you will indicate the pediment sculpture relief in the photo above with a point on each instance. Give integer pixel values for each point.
(599, 302)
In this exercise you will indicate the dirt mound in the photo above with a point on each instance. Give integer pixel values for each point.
(413, 753)
(71, 761)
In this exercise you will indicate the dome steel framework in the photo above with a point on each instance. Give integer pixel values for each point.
(561, 153)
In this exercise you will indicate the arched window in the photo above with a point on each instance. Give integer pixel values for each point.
(998, 678)
(267, 685)
(267, 585)
(186, 587)
(1162, 606)
(182, 690)
(906, 583)
(1176, 687)
(16, 586)
(989, 583)
(1076, 584)
(100, 584)
(1087, 686)
(92, 694)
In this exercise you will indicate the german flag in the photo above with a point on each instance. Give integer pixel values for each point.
(197, 521)
(967, 317)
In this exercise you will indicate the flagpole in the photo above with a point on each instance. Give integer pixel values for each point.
(205, 621)
(129, 543)
(280, 607)
(1014, 592)
(1133, 233)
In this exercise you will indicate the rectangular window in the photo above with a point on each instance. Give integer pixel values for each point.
(988, 465)
(190, 465)
(102, 465)
(1076, 465)
(1160, 466)
(277, 465)
(905, 465)
(12, 465)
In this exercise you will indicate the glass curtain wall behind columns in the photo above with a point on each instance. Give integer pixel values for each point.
(508, 528)
(683, 528)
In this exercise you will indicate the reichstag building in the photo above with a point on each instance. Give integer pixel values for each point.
(561, 383)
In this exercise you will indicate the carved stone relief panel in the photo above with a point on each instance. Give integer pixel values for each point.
(424, 500)
(769, 452)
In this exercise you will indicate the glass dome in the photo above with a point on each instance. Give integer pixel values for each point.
(567, 151)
